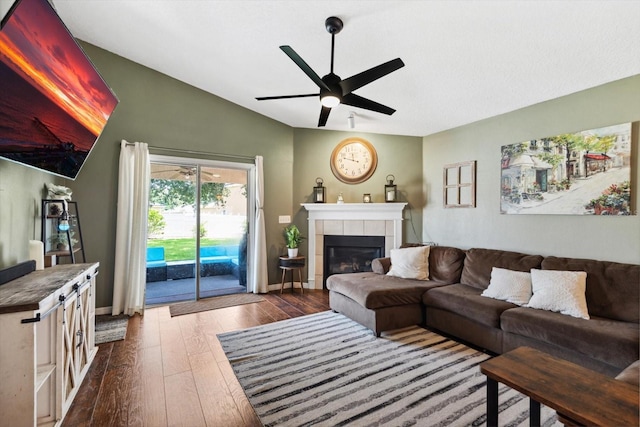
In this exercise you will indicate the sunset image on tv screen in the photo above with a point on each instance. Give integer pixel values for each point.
(53, 103)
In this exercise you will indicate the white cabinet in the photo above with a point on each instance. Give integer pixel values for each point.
(47, 327)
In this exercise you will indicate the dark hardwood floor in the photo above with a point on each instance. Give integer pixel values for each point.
(171, 371)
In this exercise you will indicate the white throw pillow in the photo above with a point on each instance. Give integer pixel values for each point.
(508, 285)
(560, 291)
(410, 263)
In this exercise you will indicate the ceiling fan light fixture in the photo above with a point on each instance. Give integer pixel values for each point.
(335, 90)
(330, 101)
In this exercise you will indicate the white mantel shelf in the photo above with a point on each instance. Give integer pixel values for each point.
(347, 211)
(359, 219)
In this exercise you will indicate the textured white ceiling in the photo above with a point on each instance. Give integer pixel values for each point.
(465, 60)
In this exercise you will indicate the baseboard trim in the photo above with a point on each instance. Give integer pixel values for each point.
(103, 310)
(287, 285)
(272, 287)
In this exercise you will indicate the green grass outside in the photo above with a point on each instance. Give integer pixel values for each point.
(185, 249)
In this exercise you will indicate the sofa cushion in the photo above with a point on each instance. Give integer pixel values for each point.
(381, 265)
(467, 301)
(602, 339)
(509, 285)
(212, 251)
(155, 257)
(445, 264)
(479, 262)
(613, 289)
(373, 291)
(559, 291)
(410, 263)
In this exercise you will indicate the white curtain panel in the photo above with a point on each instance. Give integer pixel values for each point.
(131, 229)
(259, 280)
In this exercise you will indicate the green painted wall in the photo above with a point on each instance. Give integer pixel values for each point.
(21, 190)
(610, 238)
(165, 112)
(397, 155)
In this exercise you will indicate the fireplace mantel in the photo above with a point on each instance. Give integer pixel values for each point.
(346, 211)
(355, 219)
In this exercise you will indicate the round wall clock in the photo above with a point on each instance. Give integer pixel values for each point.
(354, 160)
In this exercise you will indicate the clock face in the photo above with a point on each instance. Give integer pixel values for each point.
(354, 160)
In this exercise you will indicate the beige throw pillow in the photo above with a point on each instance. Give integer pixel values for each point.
(410, 263)
(560, 291)
(508, 285)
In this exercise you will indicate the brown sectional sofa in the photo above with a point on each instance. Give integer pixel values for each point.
(382, 302)
(451, 302)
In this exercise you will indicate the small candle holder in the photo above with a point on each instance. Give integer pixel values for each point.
(390, 190)
(366, 198)
(319, 191)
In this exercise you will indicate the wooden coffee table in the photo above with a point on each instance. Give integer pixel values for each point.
(583, 396)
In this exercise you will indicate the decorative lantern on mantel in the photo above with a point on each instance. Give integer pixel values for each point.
(390, 190)
(319, 191)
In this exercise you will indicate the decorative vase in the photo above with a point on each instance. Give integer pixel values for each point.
(293, 252)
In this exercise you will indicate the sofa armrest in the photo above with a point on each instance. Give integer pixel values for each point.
(631, 374)
(381, 265)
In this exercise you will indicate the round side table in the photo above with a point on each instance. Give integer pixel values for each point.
(292, 264)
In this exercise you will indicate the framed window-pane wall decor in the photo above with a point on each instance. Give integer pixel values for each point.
(459, 185)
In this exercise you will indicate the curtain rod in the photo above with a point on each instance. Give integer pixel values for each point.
(176, 150)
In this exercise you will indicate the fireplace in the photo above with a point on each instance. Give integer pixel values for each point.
(350, 254)
(382, 220)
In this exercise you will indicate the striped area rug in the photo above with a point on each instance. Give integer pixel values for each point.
(326, 370)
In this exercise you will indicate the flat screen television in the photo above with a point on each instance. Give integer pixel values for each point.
(53, 102)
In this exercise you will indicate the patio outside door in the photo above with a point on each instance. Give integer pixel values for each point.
(197, 240)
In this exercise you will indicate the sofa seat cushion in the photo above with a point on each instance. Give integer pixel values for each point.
(467, 301)
(373, 291)
(610, 341)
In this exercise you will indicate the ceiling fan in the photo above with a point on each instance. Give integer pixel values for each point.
(333, 89)
(181, 173)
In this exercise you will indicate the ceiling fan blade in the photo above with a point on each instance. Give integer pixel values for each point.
(357, 101)
(304, 67)
(352, 83)
(324, 115)
(264, 98)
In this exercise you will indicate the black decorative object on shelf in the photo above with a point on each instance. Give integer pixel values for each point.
(319, 194)
(390, 190)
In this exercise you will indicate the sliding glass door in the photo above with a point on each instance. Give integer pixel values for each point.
(197, 229)
(223, 231)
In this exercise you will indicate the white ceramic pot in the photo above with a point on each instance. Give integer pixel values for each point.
(292, 252)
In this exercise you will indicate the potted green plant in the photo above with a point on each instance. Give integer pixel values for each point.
(293, 239)
(60, 242)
